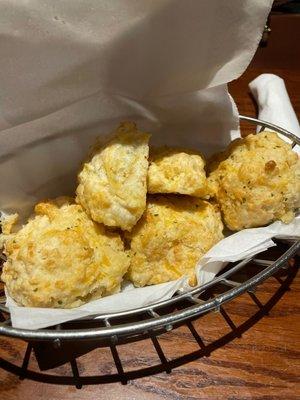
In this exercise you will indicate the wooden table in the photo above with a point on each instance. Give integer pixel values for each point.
(263, 364)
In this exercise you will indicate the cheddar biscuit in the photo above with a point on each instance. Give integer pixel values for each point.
(179, 171)
(61, 258)
(171, 237)
(256, 181)
(112, 185)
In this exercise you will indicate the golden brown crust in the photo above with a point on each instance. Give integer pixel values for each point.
(62, 259)
(112, 185)
(172, 235)
(256, 181)
(174, 170)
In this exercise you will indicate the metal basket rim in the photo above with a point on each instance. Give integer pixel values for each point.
(167, 320)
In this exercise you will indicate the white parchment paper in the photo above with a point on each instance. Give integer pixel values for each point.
(71, 71)
(239, 246)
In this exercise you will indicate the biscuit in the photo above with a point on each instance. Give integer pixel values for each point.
(256, 181)
(171, 237)
(112, 185)
(62, 259)
(179, 171)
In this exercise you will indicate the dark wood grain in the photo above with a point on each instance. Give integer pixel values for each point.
(263, 364)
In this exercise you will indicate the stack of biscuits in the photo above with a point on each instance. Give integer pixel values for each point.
(147, 218)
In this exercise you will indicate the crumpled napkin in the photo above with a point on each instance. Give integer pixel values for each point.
(274, 104)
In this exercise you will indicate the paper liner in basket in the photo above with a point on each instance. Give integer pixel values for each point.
(71, 72)
(239, 246)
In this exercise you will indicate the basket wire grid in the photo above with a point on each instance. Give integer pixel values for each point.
(57, 344)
